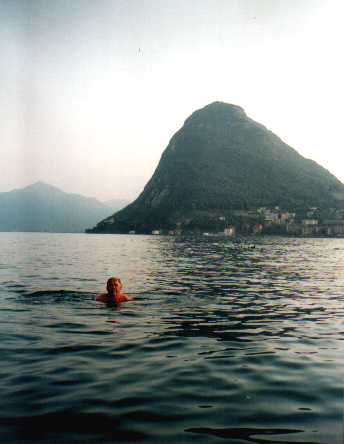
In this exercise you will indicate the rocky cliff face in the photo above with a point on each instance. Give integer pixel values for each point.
(219, 161)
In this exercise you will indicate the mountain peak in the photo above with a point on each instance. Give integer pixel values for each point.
(216, 111)
(219, 162)
(218, 105)
(43, 207)
(41, 186)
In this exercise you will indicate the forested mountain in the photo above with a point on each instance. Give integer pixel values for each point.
(220, 161)
(42, 207)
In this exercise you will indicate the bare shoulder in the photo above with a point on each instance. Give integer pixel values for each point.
(126, 297)
(102, 297)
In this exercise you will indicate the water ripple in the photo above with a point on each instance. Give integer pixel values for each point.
(222, 343)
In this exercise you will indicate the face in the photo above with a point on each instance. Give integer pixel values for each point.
(115, 285)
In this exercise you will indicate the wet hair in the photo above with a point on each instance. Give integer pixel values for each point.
(110, 280)
(111, 301)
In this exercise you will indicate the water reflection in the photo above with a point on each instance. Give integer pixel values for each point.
(250, 435)
(221, 343)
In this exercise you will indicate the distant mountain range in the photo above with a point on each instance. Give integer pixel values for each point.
(218, 162)
(42, 207)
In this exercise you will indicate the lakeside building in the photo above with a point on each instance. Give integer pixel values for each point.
(334, 227)
(310, 227)
(230, 231)
(258, 229)
(287, 217)
(311, 222)
(314, 223)
(271, 217)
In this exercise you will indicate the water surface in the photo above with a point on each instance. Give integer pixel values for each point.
(222, 344)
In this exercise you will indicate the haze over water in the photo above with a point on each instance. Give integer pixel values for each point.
(221, 344)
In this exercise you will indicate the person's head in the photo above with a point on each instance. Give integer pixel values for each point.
(114, 286)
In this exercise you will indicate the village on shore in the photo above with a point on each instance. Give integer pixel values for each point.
(312, 222)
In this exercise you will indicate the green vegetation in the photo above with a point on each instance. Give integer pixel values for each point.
(221, 161)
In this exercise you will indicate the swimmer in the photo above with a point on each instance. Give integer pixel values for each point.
(114, 292)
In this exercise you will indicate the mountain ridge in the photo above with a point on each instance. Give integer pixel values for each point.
(219, 161)
(41, 207)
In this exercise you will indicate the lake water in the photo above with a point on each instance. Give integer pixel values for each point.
(221, 344)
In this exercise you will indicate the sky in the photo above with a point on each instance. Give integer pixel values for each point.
(91, 92)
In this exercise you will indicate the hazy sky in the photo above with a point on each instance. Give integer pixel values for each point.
(92, 91)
